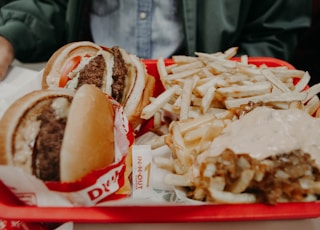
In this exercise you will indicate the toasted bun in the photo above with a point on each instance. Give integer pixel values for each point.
(139, 89)
(88, 142)
(134, 116)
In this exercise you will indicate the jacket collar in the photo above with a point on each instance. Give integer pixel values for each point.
(189, 16)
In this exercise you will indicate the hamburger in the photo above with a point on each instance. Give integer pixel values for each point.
(116, 72)
(58, 135)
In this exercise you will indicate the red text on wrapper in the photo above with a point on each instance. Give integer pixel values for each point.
(141, 171)
(94, 187)
(106, 185)
(139, 176)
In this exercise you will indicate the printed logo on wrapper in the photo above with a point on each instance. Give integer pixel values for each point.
(109, 183)
(141, 171)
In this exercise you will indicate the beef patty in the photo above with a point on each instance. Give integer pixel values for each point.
(46, 152)
(119, 75)
(93, 73)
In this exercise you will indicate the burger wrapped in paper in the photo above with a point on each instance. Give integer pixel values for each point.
(116, 72)
(69, 141)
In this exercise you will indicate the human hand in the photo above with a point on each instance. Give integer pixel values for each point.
(6, 56)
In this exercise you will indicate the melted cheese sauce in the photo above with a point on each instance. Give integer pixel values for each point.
(265, 132)
(61, 107)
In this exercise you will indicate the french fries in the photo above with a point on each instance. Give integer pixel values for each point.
(194, 85)
(204, 94)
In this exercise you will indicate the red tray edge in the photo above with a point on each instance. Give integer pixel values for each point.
(152, 214)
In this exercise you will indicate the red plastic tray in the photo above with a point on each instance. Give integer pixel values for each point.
(12, 209)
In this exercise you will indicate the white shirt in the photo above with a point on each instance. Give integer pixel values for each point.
(147, 28)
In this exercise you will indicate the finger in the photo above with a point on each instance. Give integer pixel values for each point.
(6, 56)
(3, 71)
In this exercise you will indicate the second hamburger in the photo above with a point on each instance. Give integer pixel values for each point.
(113, 70)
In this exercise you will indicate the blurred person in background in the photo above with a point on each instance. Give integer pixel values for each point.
(32, 30)
(307, 54)
(5, 50)
(4, 2)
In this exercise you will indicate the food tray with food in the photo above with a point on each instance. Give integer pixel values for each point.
(12, 208)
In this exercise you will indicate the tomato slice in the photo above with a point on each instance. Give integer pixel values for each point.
(106, 48)
(67, 68)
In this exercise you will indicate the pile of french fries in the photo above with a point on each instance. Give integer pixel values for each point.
(202, 95)
(211, 83)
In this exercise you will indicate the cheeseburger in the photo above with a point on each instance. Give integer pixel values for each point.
(58, 135)
(116, 72)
